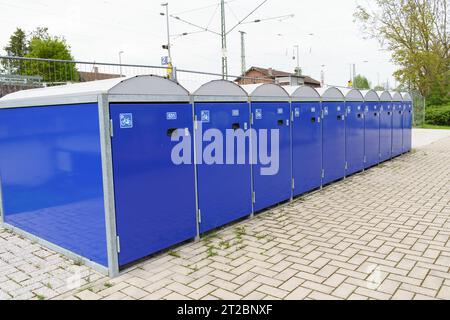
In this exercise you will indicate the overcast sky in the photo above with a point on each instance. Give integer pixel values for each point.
(98, 29)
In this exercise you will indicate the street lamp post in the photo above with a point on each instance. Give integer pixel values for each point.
(120, 62)
(353, 78)
(297, 47)
(166, 4)
(297, 70)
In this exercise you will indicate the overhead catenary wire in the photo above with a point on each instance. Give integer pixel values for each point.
(247, 16)
(279, 18)
(201, 8)
(194, 24)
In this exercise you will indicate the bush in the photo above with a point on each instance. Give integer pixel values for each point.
(438, 115)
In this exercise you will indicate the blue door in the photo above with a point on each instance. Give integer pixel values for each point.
(306, 146)
(385, 131)
(154, 194)
(224, 185)
(407, 126)
(271, 180)
(354, 141)
(397, 130)
(372, 134)
(333, 141)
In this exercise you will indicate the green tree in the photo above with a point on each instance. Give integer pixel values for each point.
(361, 82)
(18, 44)
(43, 45)
(416, 32)
(17, 47)
(40, 44)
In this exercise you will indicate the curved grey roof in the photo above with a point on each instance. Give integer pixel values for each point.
(384, 96)
(396, 96)
(351, 94)
(370, 95)
(331, 94)
(266, 92)
(147, 88)
(406, 96)
(302, 93)
(220, 90)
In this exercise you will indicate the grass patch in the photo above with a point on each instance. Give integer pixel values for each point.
(211, 252)
(260, 236)
(432, 126)
(78, 262)
(174, 254)
(40, 297)
(193, 268)
(224, 244)
(209, 237)
(108, 285)
(239, 231)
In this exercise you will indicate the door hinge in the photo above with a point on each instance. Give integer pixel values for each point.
(254, 197)
(118, 244)
(111, 128)
(365, 159)
(293, 184)
(346, 165)
(195, 123)
(199, 216)
(323, 173)
(251, 118)
(292, 116)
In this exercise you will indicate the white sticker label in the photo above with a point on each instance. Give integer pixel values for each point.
(126, 120)
(297, 112)
(235, 113)
(258, 114)
(204, 116)
(171, 116)
(313, 110)
(280, 110)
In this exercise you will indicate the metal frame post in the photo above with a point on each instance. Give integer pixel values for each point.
(2, 209)
(194, 150)
(108, 185)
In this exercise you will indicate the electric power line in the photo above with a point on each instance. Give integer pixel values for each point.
(247, 16)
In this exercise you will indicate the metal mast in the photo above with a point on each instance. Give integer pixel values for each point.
(166, 4)
(224, 41)
(243, 64)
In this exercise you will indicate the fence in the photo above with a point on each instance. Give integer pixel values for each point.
(49, 72)
(419, 104)
(18, 73)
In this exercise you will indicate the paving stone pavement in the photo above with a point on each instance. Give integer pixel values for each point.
(382, 234)
(30, 271)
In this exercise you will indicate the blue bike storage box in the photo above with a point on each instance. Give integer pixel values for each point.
(271, 114)
(306, 139)
(87, 169)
